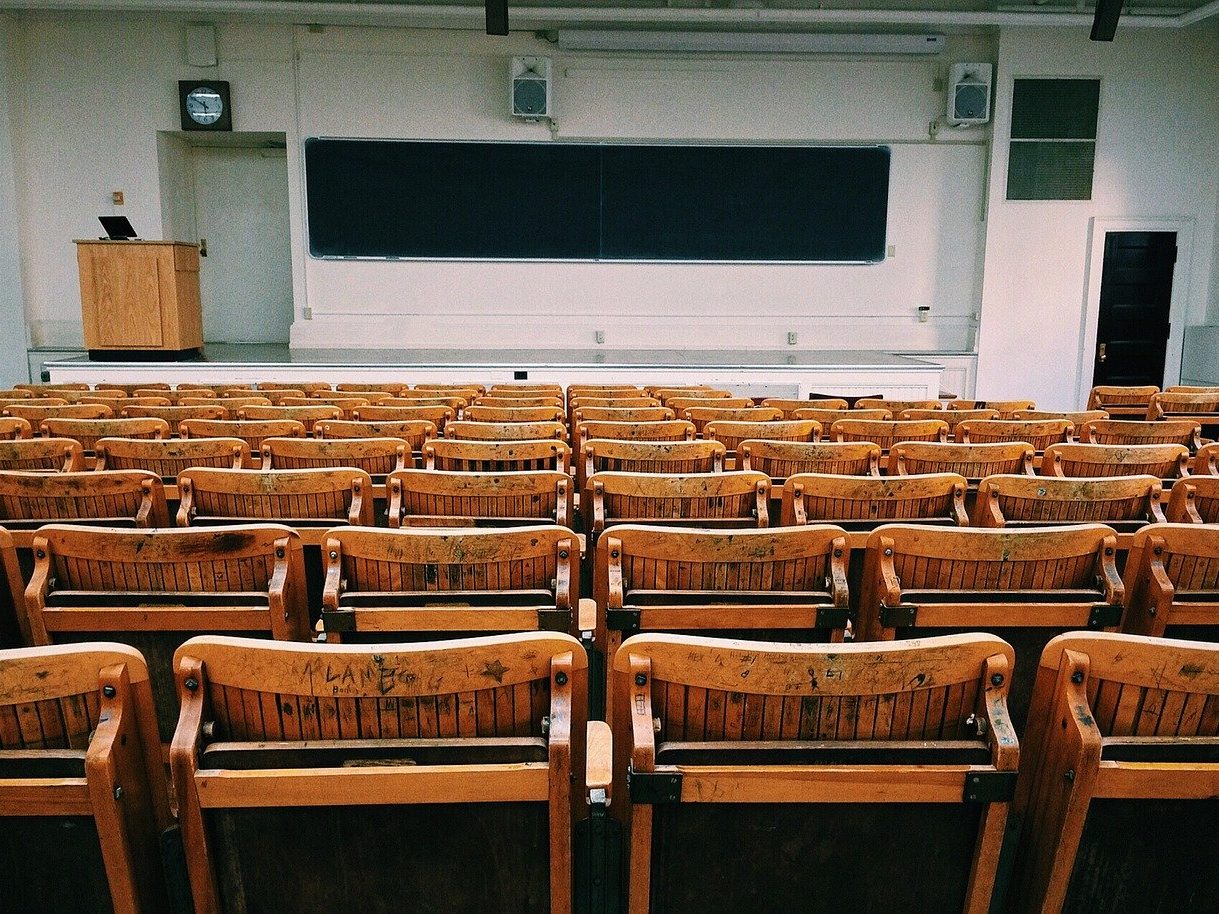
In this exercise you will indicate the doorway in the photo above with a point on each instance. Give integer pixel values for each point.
(229, 193)
(1134, 320)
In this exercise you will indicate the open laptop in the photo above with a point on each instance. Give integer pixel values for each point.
(118, 228)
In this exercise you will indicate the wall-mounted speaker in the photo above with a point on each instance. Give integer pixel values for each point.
(529, 87)
(969, 94)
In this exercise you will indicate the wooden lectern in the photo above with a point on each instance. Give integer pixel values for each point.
(140, 299)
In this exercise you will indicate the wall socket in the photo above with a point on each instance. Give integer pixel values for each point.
(791, 337)
(599, 336)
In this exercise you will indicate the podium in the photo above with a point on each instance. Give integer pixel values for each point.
(140, 299)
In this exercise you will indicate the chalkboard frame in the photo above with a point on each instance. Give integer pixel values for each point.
(880, 248)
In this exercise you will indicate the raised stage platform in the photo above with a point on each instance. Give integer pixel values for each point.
(794, 373)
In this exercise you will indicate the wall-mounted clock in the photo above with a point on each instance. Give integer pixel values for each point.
(205, 105)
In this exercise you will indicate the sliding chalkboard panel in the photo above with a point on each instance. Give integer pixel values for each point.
(596, 201)
(381, 198)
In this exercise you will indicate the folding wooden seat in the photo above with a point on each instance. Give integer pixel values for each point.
(781, 459)
(17, 394)
(505, 431)
(117, 404)
(153, 589)
(175, 415)
(306, 415)
(437, 414)
(1201, 406)
(763, 775)
(582, 413)
(1122, 402)
(417, 584)
(1206, 461)
(973, 461)
(375, 456)
(679, 405)
(887, 434)
(45, 455)
(12, 428)
(860, 503)
(1024, 585)
(169, 457)
(92, 396)
(479, 413)
(496, 456)
(1126, 431)
(114, 498)
(347, 405)
(231, 404)
(175, 397)
(384, 387)
(83, 794)
(607, 454)
(89, 431)
(1078, 418)
(1195, 501)
(415, 432)
(37, 414)
(666, 430)
(789, 406)
(252, 432)
(828, 417)
(522, 401)
(220, 389)
(731, 433)
(896, 406)
(309, 500)
(448, 774)
(1115, 797)
(1164, 461)
(1006, 408)
(45, 386)
(436, 498)
(340, 398)
(306, 386)
(954, 417)
(1039, 433)
(1125, 503)
(1172, 582)
(699, 416)
(720, 500)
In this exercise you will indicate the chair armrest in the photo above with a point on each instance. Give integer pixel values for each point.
(599, 761)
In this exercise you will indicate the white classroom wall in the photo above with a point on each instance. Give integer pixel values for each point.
(959, 247)
(12, 314)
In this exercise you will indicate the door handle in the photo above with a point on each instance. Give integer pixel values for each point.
(1102, 353)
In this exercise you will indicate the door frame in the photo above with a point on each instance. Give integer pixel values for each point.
(1098, 228)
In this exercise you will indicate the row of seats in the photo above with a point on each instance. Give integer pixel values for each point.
(733, 776)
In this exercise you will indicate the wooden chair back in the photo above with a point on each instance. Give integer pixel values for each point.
(1206, 461)
(954, 417)
(863, 502)
(169, 457)
(438, 415)
(13, 428)
(1127, 431)
(375, 456)
(117, 404)
(308, 416)
(405, 584)
(756, 758)
(888, 433)
(89, 396)
(1172, 582)
(1122, 402)
(607, 454)
(518, 401)
(667, 430)
(306, 386)
(697, 391)
(231, 404)
(341, 398)
(467, 389)
(43, 455)
(153, 589)
(37, 401)
(1130, 720)
(582, 413)
(279, 395)
(1006, 408)
(476, 748)
(415, 432)
(973, 461)
(37, 388)
(1194, 500)
(1024, 585)
(252, 432)
(422, 401)
(554, 390)
(89, 431)
(1203, 405)
(1125, 503)
(828, 417)
(722, 500)
(297, 498)
(731, 433)
(479, 413)
(609, 391)
(701, 416)
(437, 498)
(386, 387)
(219, 389)
(346, 405)
(496, 456)
(679, 405)
(114, 498)
(175, 415)
(1164, 461)
(788, 406)
(1039, 433)
(37, 414)
(781, 459)
(175, 397)
(84, 798)
(896, 406)
(505, 431)
(1078, 418)
(13, 629)
(17, 394)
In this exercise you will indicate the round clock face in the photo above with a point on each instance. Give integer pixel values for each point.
(204, 105)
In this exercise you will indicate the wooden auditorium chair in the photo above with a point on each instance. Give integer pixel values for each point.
(731, 432)
(781, 459)
(496, 456)
(112, 498)
(609, 454)
(429, 498)
(13, 428)
(701, 416)
(1131, 431)
(1040, 433)
(375, 456)
(888, 433)
(175, 415)
(1163, 461)
(1122, 402)
(169, 457)
(252, 432)
(505, 431)
(896, 406)
(1125, 503)
(1172, 582)
(1195, 501)
(44, 455)
(973, 461)
(860, 503)
(480, 413)
(308, 416)
(89, 431)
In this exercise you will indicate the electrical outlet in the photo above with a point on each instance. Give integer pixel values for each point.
(791, 337)
(599, 336)
(116, 197)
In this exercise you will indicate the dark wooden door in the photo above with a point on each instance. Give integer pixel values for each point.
(1135, 294)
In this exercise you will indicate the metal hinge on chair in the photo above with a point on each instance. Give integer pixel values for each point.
(653, 787)
(990, 787)
(622, 620)
(833, 617)
(901, 616)
(554, 620)
(338, 620)
(1105, 615)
